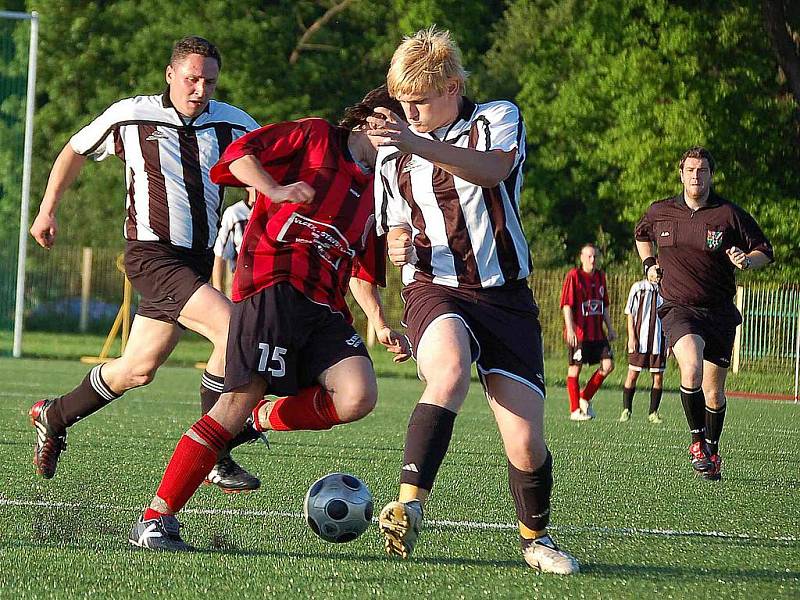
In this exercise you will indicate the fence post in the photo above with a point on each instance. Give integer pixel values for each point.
(797, 353)
(737, 342)
(86, 289)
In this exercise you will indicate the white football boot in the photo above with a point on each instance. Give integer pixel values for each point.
(400, 523)
(543, 555)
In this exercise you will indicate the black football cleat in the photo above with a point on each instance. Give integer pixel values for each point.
(715, 474)
(231, 477)
(162, 534)
(700, 457)
(49, 444)
(248, 435)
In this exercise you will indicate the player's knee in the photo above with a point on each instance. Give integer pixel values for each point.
(606, 369)
(141, 374)
(714, 398)
(448, 381)
(356, 405)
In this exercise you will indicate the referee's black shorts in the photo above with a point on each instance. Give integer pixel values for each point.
(717, 327)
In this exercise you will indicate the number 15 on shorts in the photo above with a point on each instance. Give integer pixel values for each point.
(273, 363)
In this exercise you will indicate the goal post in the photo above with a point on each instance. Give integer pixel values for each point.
(30, 100)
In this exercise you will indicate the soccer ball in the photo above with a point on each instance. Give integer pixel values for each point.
(338, 507)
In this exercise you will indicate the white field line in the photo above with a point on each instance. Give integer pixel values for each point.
(442, 523)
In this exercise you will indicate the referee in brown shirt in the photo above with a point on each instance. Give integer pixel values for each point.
(701, 240)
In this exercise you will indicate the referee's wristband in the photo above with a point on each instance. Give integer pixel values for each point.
(648, 262)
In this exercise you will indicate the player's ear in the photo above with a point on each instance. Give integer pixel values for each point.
(453, 87)
(169, 74)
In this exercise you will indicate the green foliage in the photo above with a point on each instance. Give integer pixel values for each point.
(612, 93)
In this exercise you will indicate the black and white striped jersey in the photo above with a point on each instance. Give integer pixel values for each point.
(170, 197)
(643, 302)
(464, 235)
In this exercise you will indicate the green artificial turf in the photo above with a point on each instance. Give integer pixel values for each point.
(625, 503)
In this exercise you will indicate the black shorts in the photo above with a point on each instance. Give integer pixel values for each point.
(503, 324)
(589, 353)
(165, 276)
(286, 339)
(717, 327)
(655, 363)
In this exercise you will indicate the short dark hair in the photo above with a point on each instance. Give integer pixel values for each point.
(193, 44)
(698, 152)
(356, 115)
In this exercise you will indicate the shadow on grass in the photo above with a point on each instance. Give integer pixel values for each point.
(685, 573)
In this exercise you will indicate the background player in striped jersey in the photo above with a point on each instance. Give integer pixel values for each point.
(229, 239)
(447, 191)
(313, 226)
(702, 240)
(647, 348)
(584, 305)
(168, 143)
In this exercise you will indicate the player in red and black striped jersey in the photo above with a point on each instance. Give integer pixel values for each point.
(584, 303)
(312, 228)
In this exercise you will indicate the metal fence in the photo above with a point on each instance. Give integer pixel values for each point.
(57, 287)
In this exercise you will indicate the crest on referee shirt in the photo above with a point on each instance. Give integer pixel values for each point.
(713, 239)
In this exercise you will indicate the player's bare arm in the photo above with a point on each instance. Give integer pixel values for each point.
(569, 323)
(64, 172)
(399, 246)
(611, 333)
(631, 335)
(743, 261)
(368, 297)
(485, 169)
(249, 171)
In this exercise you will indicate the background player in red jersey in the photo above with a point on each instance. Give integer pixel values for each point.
(584, 303)
(313, 226)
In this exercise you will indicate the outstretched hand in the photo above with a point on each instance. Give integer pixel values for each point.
(44, 230)
(395, 342)
(391, 130)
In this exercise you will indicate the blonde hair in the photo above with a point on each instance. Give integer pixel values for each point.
(425, 62)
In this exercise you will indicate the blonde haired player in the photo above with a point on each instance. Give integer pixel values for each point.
(447, 188)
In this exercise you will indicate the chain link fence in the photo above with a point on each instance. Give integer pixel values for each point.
(57, 290)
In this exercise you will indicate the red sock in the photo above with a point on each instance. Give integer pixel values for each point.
(190, 463)
(311, 409)
(592, 385)
(256, 423)
(573, 389)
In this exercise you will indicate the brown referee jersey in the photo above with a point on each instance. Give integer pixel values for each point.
(692, 244)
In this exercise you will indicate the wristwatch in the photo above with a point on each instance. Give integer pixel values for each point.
(747, 263)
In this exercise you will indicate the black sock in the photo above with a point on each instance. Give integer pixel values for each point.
(715, 417)
(627, 397)
(694, 405)
(531, 492)
(91, 395)
(655, 399)
(210, 390)
(429, 431)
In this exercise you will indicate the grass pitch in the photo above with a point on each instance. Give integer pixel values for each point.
(625, 503)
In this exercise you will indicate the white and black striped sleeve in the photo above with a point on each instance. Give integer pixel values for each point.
(500, 127)
(632, 305)
(97, 140)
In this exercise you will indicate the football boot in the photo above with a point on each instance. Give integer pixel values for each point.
(49, 444)
(162, 534)
(700, 457)
(544, 555)
(715, 473)
(230, 477)
(400, 523)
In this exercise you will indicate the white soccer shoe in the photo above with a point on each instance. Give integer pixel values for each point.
(400, 523)
(543, 555)
(586, 408)
(579, 415)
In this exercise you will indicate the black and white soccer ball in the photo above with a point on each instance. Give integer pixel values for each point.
(338, 507)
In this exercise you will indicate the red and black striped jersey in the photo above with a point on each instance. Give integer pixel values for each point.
(586, 294)
(315, 247)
